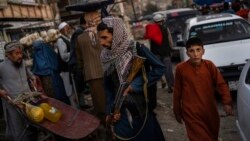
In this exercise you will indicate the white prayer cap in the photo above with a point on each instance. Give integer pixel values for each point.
(158, 18)
(62, 25)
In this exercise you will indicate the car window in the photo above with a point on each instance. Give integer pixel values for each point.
(176, 25)
(185, 33)
(246, 26)
(221, 31)
(247, 81)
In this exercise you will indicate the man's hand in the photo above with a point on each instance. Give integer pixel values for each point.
(44, 96)
(113, 118)
(128, 90)
(228, 109)
(34, 83)
(116, 117)
(3, 93)
(108, 118)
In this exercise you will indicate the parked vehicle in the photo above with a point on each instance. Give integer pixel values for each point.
(226, 40)
(243, 104)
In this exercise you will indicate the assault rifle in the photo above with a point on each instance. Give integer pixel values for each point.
(137, 64)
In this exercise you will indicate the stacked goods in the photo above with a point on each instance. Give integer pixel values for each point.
(44, 36)
(35, 109)
(35, 113)
(51, 113)
(44, 110)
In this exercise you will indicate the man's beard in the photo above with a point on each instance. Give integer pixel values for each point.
(69, 34)
(107, 47)
(17, 64)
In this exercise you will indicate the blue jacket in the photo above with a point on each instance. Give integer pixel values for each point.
(45, 59)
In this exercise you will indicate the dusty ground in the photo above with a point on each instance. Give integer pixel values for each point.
(174, 131)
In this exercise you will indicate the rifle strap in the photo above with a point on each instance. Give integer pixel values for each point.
(145, 91)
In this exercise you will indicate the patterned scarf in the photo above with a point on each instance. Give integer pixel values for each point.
(121, 53)
(92, 35)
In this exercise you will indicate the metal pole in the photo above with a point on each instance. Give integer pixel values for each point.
(5, 36)
(133, 9)
(75, 90)
(121, 8)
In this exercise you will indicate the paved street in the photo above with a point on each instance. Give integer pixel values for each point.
(174, 131)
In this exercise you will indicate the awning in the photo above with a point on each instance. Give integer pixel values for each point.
(88, 6)
(18, 25)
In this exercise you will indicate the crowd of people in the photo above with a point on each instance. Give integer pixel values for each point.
(101, 54)
(237, 7)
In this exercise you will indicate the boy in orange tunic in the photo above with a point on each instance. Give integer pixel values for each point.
(194, 94)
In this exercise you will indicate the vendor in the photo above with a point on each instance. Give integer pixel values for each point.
(13, 79)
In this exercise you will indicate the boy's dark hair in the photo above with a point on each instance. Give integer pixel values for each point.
(193, 41)
(226, 5)
(102, 26)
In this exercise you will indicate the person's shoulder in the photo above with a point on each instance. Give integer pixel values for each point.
(141, 48)
(77, 32)
(181, 68)
(140, 45)
(59, 39)
(83, 35)
(181, 65)
(3, 65)
(164, 25)
(59, 42)
(209, 63)
(79, 29)
(83, 38)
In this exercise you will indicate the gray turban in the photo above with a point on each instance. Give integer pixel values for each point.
(12, 46)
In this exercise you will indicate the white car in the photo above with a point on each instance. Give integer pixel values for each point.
(243, 104)
(226, 39)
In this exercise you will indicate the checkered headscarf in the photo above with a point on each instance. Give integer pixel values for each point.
(120, 42)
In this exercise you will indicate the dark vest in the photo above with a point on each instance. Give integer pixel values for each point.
(63, 66)
(163, 50)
